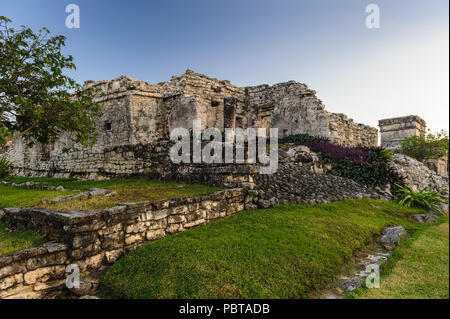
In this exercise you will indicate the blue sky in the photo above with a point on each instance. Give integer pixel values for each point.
(399, 69)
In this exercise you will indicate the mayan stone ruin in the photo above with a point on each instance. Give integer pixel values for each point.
(134, 141)
(394, 130)
(138, 114)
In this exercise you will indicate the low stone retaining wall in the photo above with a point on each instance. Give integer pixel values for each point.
(34, 272)
(96, 238)
(33, 185)
(150, 161)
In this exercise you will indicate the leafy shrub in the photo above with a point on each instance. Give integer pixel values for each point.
(303, 138)
(426, 146)
(425, 198)
(333, 152)
(5, 168)
(369, 173)
(365, 165)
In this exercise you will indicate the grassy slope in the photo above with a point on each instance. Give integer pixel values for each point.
(285, 252)
(419, 268)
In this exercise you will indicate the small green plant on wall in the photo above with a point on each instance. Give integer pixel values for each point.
(426, 146)
(5, 168)
(425, 198)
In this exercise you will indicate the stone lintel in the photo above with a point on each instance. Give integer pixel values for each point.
(402, 120)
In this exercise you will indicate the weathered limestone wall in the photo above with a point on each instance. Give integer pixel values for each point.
(345, 131)
(33, 272)
(302, 178)
(394, 130)
(294, 109)
(210, 94)
(438, 165)
(139, 115)
(96, 238)
(147, 161)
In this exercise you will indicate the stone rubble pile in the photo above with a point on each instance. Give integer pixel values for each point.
(302, 178)
(416, 174)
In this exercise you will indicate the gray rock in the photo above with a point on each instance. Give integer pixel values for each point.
(87, 287)
(351, 284)
(291, 152)
(425, 218)
(59, 188)
(443, 207)
(251, 206)
(89, 297)
(98, 191)
(393, 235)
(303, 148)
(262, 203)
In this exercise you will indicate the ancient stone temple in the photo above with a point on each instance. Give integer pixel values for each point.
(138, 112)
(138, 118)
(394, 130)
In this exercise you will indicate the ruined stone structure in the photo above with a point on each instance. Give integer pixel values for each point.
(138, 117)
(394, 130)
(94, 239)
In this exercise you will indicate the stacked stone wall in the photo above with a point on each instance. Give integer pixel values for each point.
(34, 272)
(150, 161)
(293, 108)
(94, 239)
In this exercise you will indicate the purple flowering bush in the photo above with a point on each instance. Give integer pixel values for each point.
(366, 165)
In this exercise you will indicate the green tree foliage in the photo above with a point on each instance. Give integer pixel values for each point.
(426, 146)
(37, 101)
(5, 168)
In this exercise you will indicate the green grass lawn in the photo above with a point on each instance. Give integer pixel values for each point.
(12, 242)
(128, 190)
(286, 252)
(21, 197)
(419, 269)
